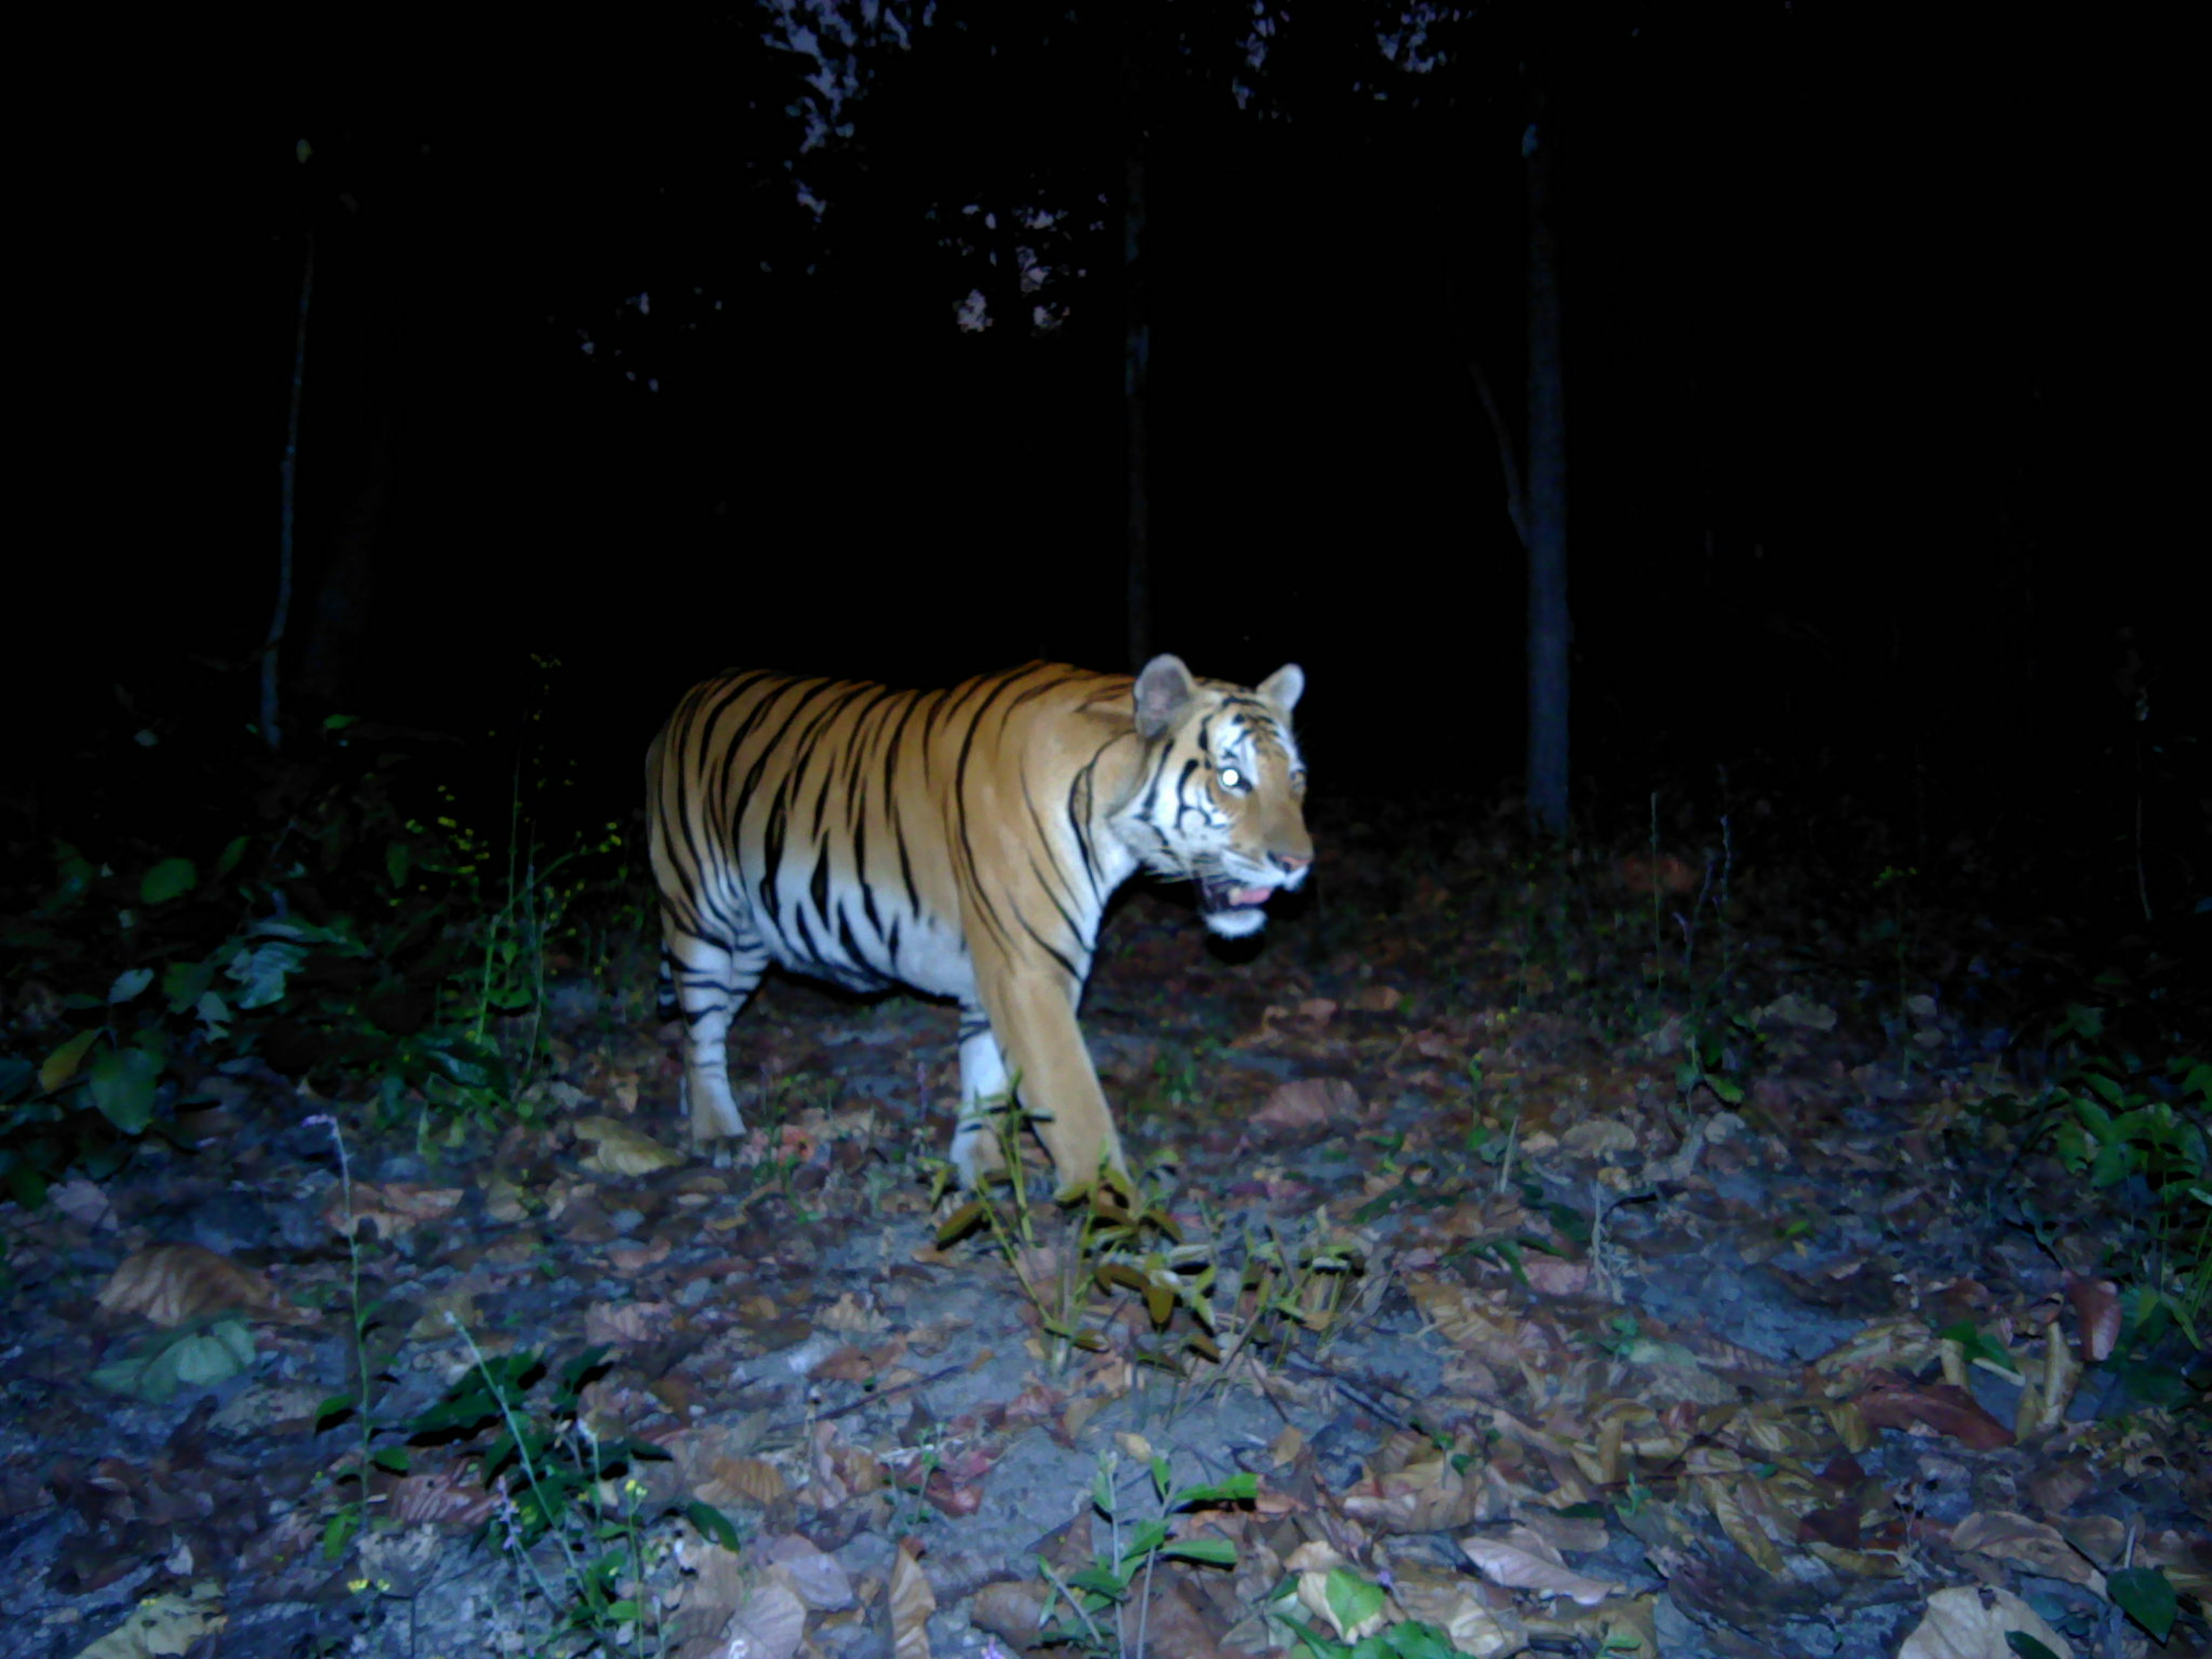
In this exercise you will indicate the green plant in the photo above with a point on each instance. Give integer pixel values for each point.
(1354, 1603)
(349, 1519)
(351, 942)
(1711, 1060)
(1095, 1599)
(1898, 925)
(2118, 1118)
(570, 1516)
(1113, 1234)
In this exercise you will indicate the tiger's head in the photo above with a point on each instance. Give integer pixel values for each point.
(1222, 799)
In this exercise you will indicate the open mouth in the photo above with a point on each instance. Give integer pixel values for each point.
(1217, 894)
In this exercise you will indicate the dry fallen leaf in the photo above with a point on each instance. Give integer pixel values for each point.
(83, 1200)
(174, 1283)
(1454, 1604)
(1521, 1569)
(2097, 1308)
(911, 1602)
(849, 1316)
(622, 1150)
(1897, 1403)
(396, 1206)
(1308, 1103)
(742, 1479)
(1435, 1492)
(625, 1324)
(819, 1581)
(769, 1625)
(161, 1625)
(2016, 1538)
(1972, 1622)
(1008, 1609)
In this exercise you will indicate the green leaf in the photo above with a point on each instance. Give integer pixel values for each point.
(195, 1359)
(339, 1529)
(185, 983)
(73, 877)
(122, 1085)
(2145, 1595)
(1146, 1537)
(27, 1186)
(712, 1523)
(263, 968)
(226, 860)
(166, 880)
(1352, 1600)
(336, 1407)
(61, 1065)
(1214, 1552)
(128, 984)
(1101, 1581)
(1237, 1489)
(392, 1458)
(399, 860)
(2027, 1646)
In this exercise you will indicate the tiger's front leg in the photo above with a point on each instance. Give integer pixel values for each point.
(1033, 1022)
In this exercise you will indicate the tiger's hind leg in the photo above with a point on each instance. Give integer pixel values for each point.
(707, 983)
(986, 1094)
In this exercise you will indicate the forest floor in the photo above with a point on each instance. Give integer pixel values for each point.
(1651, 1256)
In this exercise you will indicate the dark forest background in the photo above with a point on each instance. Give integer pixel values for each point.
(1876, 388)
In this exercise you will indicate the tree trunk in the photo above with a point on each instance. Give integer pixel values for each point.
(288, 475)
(1551, 632)
(1136, 353)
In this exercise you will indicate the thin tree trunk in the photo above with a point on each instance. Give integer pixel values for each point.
(1550, 631)
(1136, 354)
(287, 471)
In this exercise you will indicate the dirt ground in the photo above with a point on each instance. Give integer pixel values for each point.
(1693, 1321)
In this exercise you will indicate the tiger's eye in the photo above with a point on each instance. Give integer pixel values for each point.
(1231, 778)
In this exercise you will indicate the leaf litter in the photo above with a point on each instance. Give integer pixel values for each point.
(1546, 1334)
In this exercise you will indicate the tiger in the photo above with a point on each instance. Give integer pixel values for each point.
(963, 842)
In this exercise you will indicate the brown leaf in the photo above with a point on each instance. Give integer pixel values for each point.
(910, 1601)
(1942, 1406)
(769, 1625)
(749, 1480)
(2097, 1310)
(1972, 1622)
(1436, 1491)
(174, 1283)
(625, 1324)
(817, 1578)
(396, 1206)
(1306, 1104)
(1517, 1568)
(1454, 1604)
(1009, 1610)
(442, 1497)
(622, 1150)
(2015, 1538)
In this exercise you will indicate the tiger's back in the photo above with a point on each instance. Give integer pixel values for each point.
(963, 841)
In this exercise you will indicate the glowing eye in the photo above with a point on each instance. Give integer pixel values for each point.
(1231, 778)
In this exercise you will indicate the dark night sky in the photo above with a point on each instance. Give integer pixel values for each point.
(1871, 326)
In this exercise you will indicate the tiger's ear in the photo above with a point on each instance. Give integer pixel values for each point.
(1281, 689)
(1164, 690)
